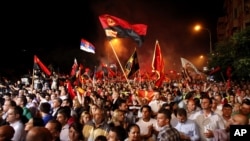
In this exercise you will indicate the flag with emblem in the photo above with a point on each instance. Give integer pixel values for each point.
(158, 65)
(87, 46)
(115, 27)
(132, 65)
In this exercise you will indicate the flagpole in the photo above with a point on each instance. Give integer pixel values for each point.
(32, 83)
(119, 62)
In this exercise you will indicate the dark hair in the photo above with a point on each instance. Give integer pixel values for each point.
(130, 126)
(121, 133)
(78, 127)
(68, 100)
(182, 112)
(147, 107)
(246, 101)
(37, 121)
(58, 126)
(226, 105)
(65, 111)
(45, 107)
(166, 112)
(209, 99)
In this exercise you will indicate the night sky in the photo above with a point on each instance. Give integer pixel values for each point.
(53, 31)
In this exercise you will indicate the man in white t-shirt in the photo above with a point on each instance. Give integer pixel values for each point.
(147, 124)
(156, 103)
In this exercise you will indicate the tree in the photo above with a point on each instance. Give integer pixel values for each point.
(233, 53)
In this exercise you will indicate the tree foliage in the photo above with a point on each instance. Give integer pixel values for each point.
(233, 53)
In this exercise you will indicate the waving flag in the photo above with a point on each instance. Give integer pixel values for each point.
(38, 64)
(132, 65)
(87, 46)
(187, 64)
(74, 68)
(118, 28)
(158, 65)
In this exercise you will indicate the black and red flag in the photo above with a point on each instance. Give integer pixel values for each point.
(158, 65)
(132, 65)
(39, 65)
(118, 28)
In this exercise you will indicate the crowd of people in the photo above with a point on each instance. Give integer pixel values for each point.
(114, 111)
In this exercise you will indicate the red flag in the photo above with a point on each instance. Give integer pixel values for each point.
(71, 91)
(158, 65)
(149, 95)
(214, 70)
(118, 28)
(41, 65)
(74, 68)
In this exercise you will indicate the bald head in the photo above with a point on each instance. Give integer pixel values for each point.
(39, 134)
(239, 119)
(6, 132)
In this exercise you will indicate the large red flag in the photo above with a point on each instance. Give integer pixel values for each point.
(158, 64)
(118, 28)
(41, 65)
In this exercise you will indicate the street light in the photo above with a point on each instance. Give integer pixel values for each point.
(198, 27)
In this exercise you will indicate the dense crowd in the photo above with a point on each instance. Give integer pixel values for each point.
(115, 111)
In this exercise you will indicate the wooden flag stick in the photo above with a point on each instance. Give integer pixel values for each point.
(119, 62)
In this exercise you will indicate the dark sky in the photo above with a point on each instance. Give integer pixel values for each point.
(53, 31)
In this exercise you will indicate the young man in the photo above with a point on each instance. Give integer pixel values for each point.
(167, 132)
(188, 128)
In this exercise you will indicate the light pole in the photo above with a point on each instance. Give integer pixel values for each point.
(197, 28)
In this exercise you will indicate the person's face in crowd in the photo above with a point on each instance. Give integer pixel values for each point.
(205, 104)
(52, 96)
(93, 108)
(123, 107)
(12, 116)
(161, 120)
(62, 119)
(85, 118)
(52, 128)
(73, 134)
(115, 95)
(169, 97)
(98, 116)
(112, 136)
(231, 99)
(227, 111)
(245, 109)
(55, 103)
(145, 113)
(218, 98)
(156, 95)
(214, 104)
(134, 134)
(29, 125)
(6, 106)
(64, 103)
(18, 101)
(181, 118)
(121, 116)
(237, 120)
(191, 105)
